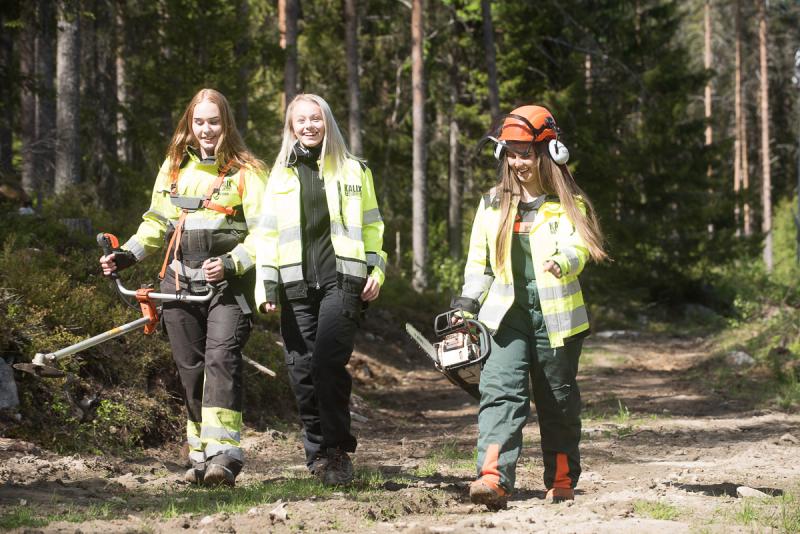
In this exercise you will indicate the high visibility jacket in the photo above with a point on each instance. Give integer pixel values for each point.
(242, 190)
(356, 230)
(552, 237)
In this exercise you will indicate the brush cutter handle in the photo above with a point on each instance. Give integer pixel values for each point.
(108, 242)
(169, 296)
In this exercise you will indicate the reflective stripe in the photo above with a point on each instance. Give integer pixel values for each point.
(197, 456)
(268, 273)
(218, 223)
(194, 442)
(243, 256)
(270, 222)
(572, 256)
(375, 260)
(560, 291)
(293, 273)
(351, 267)
(476, 284)
(212, 449)
(352, 232)
(135, 247)
(502, 290)
(569, 319)
(219, 434)
(372, 216)
(287, 235)
(195, 275)
(153, 214)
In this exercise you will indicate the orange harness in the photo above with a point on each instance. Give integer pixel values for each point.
(212, 191)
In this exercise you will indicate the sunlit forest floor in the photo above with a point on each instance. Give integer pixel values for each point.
(670, 435)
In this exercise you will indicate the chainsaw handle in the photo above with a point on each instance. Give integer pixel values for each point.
(485, 342)
(454, 321)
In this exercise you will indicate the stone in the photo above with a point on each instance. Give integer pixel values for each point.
(745, 491)
(8, 388)
(739, 358)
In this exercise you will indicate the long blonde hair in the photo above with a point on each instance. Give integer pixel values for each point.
(553, 179)
(230, 147)
(334, 149)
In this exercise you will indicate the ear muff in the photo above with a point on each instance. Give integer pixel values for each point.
(558, 151)
(499, 151)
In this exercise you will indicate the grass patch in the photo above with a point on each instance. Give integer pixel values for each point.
(780, 513)
(27, 516)
(656, 510)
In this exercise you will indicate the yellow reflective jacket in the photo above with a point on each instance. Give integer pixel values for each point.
(552, 237)
(241, 189)
(356, 229)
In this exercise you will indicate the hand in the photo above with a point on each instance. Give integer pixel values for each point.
(268, 307)
(371, 290)
(213, 269)
(108, 264)
(552, 267)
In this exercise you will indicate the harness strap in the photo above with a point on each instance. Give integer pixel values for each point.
(212, 190)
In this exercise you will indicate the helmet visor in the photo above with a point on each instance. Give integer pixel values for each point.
(520, 148)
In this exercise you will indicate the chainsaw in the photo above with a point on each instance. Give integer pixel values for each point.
(42, 365)
(461, 351)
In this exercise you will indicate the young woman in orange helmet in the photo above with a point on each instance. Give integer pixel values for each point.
(532, 235)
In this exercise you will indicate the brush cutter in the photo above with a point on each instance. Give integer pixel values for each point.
(461, 351)
(146, 297)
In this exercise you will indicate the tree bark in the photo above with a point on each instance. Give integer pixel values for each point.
(707, 57)
(741, 160)
(287, 21)
(419, 193)
(354, 90)
(242, 48)
(7, 106)
(68, 97)
(491, 63)
(766, 179)
(455, 182)
(104, 142)
(46, 96)
(121, 67)
(27, 104)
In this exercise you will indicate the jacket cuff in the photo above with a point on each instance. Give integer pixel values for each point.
(465, 304)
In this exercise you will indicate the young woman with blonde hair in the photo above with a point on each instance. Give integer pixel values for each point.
(205, 201)
(322, 260)
(532, 235)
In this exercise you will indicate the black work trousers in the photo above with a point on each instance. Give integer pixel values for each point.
(206, 341)
(318, 332)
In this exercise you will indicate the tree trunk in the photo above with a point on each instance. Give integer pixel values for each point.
(766, 180)
(287, 22)
(455, 183)
(707, 64)
(351, 43)
(491, 63)
(27, 104)
(741, 129)
(105, 140)
(419, 193)
(46, 96)
(243, 72)
(588, 81)
(7, 106)
(121, 49)
(68, 98)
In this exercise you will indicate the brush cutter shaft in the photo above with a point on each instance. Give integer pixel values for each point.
(168, 296)
(91, 342)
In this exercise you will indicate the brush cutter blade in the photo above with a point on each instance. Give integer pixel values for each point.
(43, 371)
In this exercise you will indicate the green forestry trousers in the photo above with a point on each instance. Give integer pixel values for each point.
(520, 349)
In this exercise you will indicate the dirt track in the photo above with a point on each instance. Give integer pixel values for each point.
(662, 452)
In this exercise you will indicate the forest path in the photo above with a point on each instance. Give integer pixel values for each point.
(662, 452)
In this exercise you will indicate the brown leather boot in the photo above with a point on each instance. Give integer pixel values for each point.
(486, 492)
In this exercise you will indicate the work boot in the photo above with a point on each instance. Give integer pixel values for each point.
(338, 470)
(194, 475)
(557, 495)
(486, 492)
(318, 466)
(221, 470)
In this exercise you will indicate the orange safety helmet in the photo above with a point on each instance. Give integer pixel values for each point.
(529, 123)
